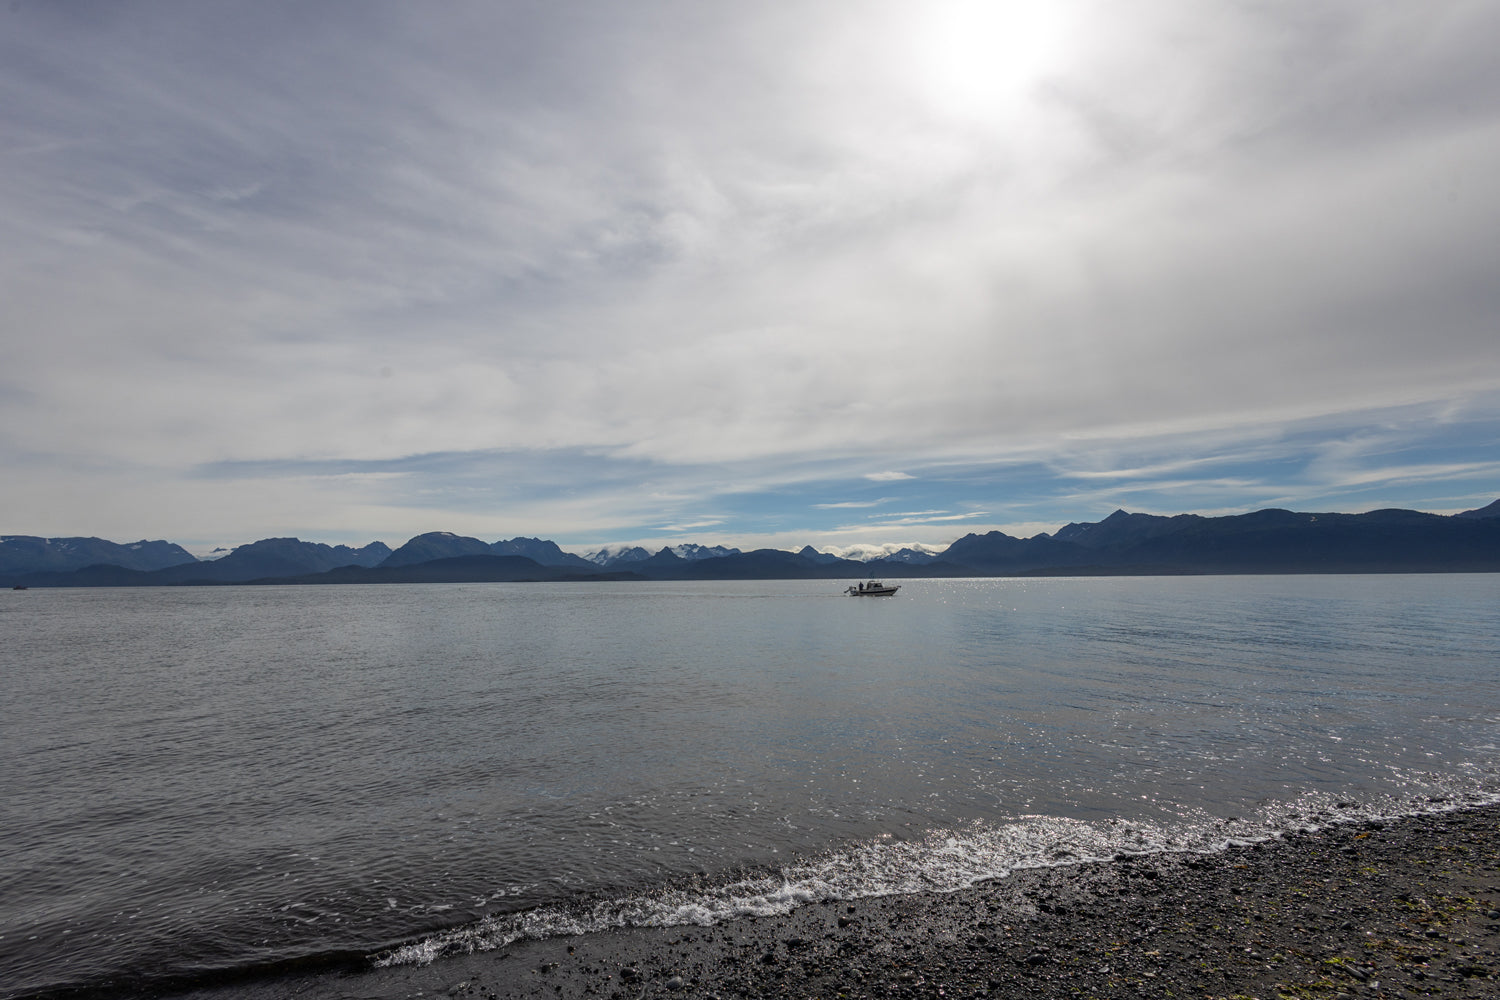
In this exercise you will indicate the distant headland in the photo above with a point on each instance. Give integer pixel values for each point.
(1266, 541)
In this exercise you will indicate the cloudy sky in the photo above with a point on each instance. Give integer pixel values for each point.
(764, 274)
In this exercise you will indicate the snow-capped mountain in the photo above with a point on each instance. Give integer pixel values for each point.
(612, 555)
(693, 552)
(912, 555)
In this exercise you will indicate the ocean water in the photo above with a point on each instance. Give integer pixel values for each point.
(206, 780)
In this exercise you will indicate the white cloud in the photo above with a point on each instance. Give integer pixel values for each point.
(927, 518)
(692, 525)
(767, 246)
(851, 504)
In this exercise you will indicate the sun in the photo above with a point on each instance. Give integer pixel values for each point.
(979, 60)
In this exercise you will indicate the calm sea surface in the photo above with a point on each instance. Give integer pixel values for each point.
(225, 778)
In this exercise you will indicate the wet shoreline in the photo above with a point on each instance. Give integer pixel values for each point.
(1405, 907)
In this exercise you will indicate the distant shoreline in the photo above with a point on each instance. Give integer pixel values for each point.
(1264, 542)
(336, 578)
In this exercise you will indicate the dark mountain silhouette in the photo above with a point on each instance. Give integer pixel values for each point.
(543, 552)
(1266, 541)
(1381, 541)
(997, 553)
(1489, 510)
(31, 554)
(813, 555)
(665, 564)
(456, 569)
(274, 557)
(267, 557)
(436, 545)
(90, 576)
(770, 564)
(778, 564)
(1121, 528)
(484, 568)
(446, 545)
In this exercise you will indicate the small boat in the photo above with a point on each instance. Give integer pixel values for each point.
(873, 588)
(19, 586)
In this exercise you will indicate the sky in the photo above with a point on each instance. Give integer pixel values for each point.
(831, 273)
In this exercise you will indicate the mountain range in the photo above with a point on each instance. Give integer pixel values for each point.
(1266, 541)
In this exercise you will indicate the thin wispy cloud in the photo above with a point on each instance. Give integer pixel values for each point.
(1146, 471)
(850, 504)
(693, 525)
(1399, 475)
(582, 270)
(911, 520)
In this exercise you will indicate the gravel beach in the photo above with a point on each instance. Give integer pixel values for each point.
(1398, 908)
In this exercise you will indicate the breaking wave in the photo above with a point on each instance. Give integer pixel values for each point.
(940, 862)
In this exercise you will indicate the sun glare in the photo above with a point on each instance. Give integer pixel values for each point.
(982, 60)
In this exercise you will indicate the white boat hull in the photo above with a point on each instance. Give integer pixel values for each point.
(872, 589)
